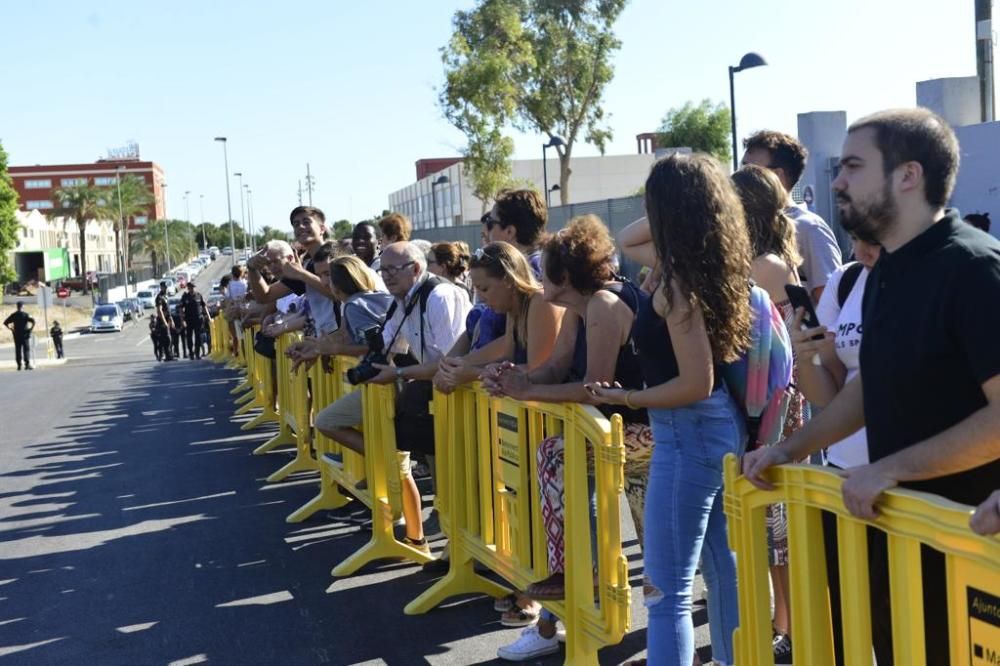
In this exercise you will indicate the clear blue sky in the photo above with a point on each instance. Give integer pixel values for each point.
(350, 86)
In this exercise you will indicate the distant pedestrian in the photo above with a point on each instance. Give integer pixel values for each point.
(56, 335)
(163, 324)
(21, 324)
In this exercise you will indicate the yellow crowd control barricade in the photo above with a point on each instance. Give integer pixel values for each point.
(285, 411)
(252, 398)
(909, 520)
(384, 481)
(294, 409)
(490, 505)
(338, 466)
(218, 326)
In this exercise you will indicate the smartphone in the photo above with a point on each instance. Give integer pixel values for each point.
(800, 298)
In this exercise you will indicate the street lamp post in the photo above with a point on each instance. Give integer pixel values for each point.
(166, 231)
(253, 241)
(187, 206)
(201, 207)
(121, 217)
(441, 180)
(243, 214)
(554, 141)
(229, 203)
(748, 61)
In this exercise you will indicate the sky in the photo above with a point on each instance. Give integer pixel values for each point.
(351, 87)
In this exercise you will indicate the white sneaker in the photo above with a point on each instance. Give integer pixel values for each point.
(529, 645)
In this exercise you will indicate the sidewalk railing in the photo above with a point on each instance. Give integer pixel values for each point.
(910, 520)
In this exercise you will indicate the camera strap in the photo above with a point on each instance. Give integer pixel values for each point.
(429, 284)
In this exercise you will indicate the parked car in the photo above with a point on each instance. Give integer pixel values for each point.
(131, 309)
(107, 318)
(171, 285)
(227, 251)
(216, 287)
(147, 298)
(214, 303)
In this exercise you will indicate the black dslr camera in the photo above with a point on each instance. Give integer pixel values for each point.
(366, 369)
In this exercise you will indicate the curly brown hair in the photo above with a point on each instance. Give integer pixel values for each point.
(395, 225)
(583, 253)
(701, 241)
(454, 258)
(787, 152)
(764, 197)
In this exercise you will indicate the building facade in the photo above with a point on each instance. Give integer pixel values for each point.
(36, 185)
(53, 245)
(444, 198)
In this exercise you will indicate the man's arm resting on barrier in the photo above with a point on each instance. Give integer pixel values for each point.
(966, 445)
(844, 416)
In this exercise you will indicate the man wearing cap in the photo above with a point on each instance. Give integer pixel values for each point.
(161, 332)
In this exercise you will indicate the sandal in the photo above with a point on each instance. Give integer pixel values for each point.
(552, 588)
(520, 617)
(504, 604)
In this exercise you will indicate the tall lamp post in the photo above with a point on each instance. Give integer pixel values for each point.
(253, 241)
(201, 207)
(748, 61)
(229, 203)
(166, 230)
(124, 230)
(243, 214)
(554, 140)
(441, 180)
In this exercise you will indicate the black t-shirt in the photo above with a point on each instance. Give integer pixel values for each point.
(20, 319)
(931, 319)
(192, 304)
(298, 287)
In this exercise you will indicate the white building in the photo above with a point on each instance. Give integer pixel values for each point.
(39, 233)
(593, 179)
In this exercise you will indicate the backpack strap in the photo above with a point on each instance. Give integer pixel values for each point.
(847, 282)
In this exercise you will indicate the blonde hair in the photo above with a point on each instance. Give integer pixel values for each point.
(503, 261)
(350, 275)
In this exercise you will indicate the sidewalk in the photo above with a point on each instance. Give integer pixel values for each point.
(40, 362)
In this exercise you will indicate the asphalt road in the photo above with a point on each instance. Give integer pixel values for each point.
(136, 528)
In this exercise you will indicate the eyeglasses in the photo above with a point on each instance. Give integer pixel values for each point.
(489, 221)
(390, 271)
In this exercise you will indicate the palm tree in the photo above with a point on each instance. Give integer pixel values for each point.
(151, 241)
(84, 203)
(135, 200)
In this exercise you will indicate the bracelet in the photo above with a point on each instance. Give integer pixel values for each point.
(628, 400)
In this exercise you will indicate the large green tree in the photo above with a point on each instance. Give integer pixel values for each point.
(156, 235)
(268, 233)
(703, 128)
(8, 223)
(84, 203)
(541, 66)
(136, 198)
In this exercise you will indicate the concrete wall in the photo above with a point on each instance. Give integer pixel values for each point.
(978, 187)
(823, 134)
(955, 99)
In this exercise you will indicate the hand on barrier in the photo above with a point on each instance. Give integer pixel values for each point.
(507, 380)
(452, 373)
(863, 486)
(309, 363)
(986, 519)
(755, 463)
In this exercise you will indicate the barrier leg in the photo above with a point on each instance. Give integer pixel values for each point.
(382, 545)
(285, 437)
(245, 386)
(251, 404)
(246, 397)
(329, 498)
(301, 463)
(265, 416)
(460, 579)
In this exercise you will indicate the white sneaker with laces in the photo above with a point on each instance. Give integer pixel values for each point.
(529, 645)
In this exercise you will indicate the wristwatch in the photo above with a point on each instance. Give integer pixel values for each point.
(399, 373)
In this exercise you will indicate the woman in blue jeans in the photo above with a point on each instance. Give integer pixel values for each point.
(699, 318)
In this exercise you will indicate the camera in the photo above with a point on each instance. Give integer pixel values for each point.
(366, 369)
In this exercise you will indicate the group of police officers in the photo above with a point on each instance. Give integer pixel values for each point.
(185, 329)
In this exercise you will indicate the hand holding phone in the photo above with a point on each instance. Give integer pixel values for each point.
(799, 297)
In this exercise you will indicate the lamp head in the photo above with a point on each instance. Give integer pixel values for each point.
(749, 61)
(441, 180)
(555, 140)
(220, 138)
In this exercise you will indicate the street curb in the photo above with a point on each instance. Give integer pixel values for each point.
(43, 363)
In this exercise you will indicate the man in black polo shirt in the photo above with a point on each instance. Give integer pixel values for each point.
(21, 324)
(930, 356)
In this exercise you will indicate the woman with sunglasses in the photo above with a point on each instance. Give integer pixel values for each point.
(505, 283)
(594, 346)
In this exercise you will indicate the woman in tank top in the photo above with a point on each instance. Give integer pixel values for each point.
(699, 318)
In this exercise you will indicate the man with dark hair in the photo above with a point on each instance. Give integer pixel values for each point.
(195, 315)
(930, 364)
(365, 243)
(21, 324)
(163, 323)
(786, 157)
(518, 217)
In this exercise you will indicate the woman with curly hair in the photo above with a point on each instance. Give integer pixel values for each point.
(775, 264)
(595, 344)
(698, 319)
(450, 261)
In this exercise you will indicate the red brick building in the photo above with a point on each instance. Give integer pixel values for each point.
(35, 185)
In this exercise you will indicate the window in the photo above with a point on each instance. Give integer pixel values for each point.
(104, 180)
(72, 182)
(39, 204)
(140, 219)
(40, 184)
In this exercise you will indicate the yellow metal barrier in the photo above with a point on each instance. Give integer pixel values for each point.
(252, 399)
(282, 368)
(346, 472)
(293, 406)
(910, 519)
(488, 497)
(218, 350)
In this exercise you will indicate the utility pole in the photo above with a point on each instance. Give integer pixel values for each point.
(310, 182)
(201, 205)
(984, 59)
(300, 191)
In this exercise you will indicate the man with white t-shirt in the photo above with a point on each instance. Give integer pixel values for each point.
(786, 157)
